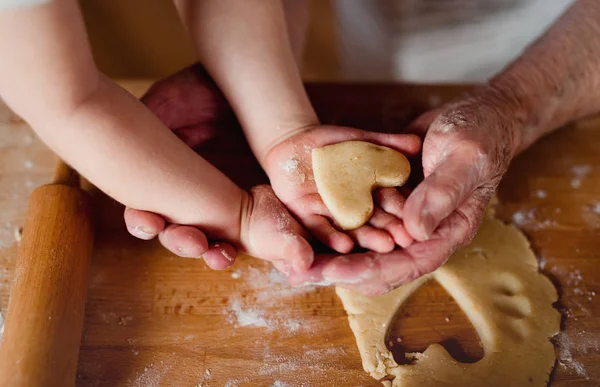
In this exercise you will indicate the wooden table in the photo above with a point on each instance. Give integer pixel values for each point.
(154, 319)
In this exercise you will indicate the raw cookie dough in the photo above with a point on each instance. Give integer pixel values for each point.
(496, 282)
(346, 174)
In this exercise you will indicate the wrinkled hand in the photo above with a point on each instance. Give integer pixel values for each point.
(289, 167)
(467, 148)
(191, 105)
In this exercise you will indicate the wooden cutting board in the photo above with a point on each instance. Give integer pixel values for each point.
(153, 319)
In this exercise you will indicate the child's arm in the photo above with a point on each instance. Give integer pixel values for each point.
(48, 76)
(244, 45)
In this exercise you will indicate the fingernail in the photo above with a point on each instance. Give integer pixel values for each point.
(224, 253)
(142, 233)
(427, 223)
(182, 252)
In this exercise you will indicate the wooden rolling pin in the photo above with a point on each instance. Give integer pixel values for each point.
(42, 334)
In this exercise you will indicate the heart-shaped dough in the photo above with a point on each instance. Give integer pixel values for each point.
(496, 282)
(347, 173)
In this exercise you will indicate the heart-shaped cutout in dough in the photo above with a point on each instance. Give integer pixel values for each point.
(347, 173)
(495, 281)
(431, 315)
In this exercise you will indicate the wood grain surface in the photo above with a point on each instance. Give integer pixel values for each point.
(153, 319)
(42, 333)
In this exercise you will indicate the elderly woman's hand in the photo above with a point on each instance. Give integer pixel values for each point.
(467, 147)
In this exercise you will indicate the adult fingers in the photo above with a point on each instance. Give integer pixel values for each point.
(372, 273)
(452, 180)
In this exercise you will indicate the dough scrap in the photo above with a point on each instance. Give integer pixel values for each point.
(495, 281)
(346, 174)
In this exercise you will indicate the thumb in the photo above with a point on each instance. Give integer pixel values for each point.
(447, 186)
(274, 235)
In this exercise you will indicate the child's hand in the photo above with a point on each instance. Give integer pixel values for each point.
(289, 166)
(264, 229)
(192, 106)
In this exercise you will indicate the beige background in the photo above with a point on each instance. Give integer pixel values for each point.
(410, 40)
(145, 39)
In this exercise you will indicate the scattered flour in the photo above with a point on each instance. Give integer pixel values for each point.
(264, 310)
(249, 316)
(540, 193)
(18, 234)
(236, 274)
(205, 378)
(1, 326)
(521, 218)
(542, 262)
(235, 382)
(572, 345)
(7, 234)
(314, 360)
(123, 320)
(580, 172)
(290, 165)
(293, 325)
(28, 164)
(596, 208)
(580, 344)
(528, 218)
(151, 376)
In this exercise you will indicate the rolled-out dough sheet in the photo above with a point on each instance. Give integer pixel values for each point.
(496, 282)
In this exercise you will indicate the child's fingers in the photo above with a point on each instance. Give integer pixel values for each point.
(322, 229)
(143, 224)
(393, 225)
(373, 239)
(391, 201)
(220, 256)
(184, 241)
